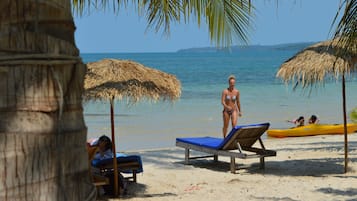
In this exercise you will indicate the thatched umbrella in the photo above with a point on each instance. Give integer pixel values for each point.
(316, 62)
(110, 79)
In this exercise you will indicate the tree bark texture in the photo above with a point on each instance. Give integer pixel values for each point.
(42, 130)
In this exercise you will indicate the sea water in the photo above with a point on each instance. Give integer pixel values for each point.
(198, 112)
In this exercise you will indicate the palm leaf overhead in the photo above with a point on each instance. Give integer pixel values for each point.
(347, 26)
(228, 20)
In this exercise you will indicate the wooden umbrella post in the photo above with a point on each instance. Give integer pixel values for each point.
(115, 165)
(345, 120)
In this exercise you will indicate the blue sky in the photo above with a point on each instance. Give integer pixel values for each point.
(289, 21)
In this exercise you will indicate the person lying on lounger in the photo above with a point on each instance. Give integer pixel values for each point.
(100, 149)
(104, 148)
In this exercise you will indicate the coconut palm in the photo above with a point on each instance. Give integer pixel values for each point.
(42, 130)
(346, 34)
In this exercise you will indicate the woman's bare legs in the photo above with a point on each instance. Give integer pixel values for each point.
(234, 118)
(225, 123)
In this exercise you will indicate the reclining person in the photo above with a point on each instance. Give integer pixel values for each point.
(104, 148)
(100, 149)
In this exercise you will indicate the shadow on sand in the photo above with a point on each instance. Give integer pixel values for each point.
(274, 198)
(137, 190)
(348, 195)
(291, 167)
(350, 192)
(306, 167)
(317, 146)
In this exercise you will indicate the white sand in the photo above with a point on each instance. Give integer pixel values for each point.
(305, 168)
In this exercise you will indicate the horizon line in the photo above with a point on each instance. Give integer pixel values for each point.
(175, 51)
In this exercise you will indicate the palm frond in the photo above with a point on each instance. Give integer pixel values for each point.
(162, 13)
(227, 20)
(346, 29)
(79, 6)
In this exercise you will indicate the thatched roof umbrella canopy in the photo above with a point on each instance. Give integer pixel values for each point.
(111, 79)
(315, 63)
(118, 79)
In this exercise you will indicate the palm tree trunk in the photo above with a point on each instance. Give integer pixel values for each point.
(42, 130)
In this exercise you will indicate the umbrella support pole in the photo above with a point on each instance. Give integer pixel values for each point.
(345, 120)
(115, 164)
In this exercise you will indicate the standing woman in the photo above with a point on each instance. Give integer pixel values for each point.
(231, 105)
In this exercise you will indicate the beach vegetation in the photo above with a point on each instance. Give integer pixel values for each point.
(353, 115)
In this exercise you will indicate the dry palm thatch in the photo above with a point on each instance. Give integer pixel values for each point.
(111, 79)
(314, 63)
(118, 79)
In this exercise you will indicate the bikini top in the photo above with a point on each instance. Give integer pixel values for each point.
(228, 97)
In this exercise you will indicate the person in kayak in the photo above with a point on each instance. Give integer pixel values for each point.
(298, 122)
(313, 119)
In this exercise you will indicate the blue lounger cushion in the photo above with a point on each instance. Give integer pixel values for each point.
(213, 142)
(121, 158)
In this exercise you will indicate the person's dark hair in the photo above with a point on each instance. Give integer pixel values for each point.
(300, 118)
(106, 140)
(313, 118)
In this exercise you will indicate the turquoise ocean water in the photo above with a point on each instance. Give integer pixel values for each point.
(203, 75)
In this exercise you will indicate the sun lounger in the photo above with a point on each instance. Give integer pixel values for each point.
(238, 144)
(130, 164)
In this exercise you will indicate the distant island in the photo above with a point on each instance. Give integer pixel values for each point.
(288, 46)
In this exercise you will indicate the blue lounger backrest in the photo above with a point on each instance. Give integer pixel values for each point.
(245, 136)
(237, 128)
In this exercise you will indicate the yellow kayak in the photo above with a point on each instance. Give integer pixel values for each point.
(312, 129)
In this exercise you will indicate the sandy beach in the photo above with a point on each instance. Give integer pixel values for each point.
(305, 168)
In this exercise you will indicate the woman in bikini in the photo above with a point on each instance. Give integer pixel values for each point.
(231, 105)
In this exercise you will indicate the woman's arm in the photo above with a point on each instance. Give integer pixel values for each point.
(238, 104)
(223, 99)
(92, 150)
